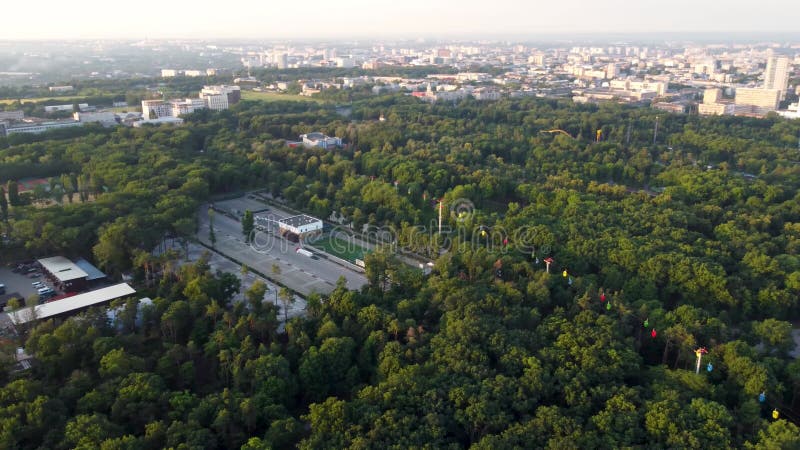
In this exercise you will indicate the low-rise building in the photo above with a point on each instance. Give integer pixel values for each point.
(792, 112)
(316, 139)
(300, 225)
(603, 94)
(60, 88)
(104, 118)
(677, 108)
(70, 305)
(715, 109)
(64, 273)
(659, 87)
(56, 108)
(37, 127)
(169, 120)
(713, 105)
(12, 115)
(486, 94)
(186, 106)
(221, 96)
(154, 109)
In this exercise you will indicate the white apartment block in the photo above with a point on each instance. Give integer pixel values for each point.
(320, 140)
(154, 109)
(659, 87)
(776, 76)
(221, 96)
(187, 106)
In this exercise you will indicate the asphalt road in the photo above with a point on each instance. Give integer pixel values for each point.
(301, 273)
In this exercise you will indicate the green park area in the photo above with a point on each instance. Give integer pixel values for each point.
(276, 97)
(345, 249)
(65, 99)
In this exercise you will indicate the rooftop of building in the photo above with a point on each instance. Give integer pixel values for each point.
(62, 268)
(299, 220)
(315, 136)
(93, 272)
(73, 303)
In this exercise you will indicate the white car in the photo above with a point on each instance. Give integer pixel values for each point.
(38, 284)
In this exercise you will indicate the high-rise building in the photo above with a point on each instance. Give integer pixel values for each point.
(345, 62)
(776, 76)
(282, 60)
(611, 71)
(711, 96)
(153, 109)
(537, 59)
(712, 104)
(756, 102)
(221, 96)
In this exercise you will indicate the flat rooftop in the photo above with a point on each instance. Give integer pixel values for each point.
(73, 303)
(62, 268)
(299, 221)
(316, 135)
(93, 272)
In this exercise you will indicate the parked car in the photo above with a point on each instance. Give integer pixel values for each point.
(38, 284)
(34, 275)
(2, 289)
(44, 291)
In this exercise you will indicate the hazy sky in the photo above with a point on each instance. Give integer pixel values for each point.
(51, 19)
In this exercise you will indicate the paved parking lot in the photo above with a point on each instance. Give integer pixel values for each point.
(223, 264)
(238, 206)
(301, 273)
(18, 285)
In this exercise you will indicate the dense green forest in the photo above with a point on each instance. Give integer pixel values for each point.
(670, 242)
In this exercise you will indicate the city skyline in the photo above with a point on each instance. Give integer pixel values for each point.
(316, 19)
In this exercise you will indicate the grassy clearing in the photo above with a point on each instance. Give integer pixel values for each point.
(345, 249)
(66, 100)
(276, 97)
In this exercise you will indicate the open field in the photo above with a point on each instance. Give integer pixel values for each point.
(275, 97)
(345, 249)
(66, 100)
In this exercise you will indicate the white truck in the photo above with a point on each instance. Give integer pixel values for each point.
(304, 252)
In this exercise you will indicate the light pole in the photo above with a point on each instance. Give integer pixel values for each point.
(655, 132)
(699, 353)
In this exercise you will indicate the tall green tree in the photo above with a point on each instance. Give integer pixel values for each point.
(247, 225)
(13, 193)
(211, 236)
(287, 299)
(3, 204)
